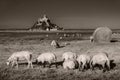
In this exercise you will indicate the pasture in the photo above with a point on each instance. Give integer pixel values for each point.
(12, 42)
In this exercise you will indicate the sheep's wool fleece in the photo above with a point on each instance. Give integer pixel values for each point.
(69, 64)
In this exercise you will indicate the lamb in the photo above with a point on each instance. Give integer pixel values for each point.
(48, 58)
(70, 64)
(102, 60)
(22, 55)
(68, 55)
(83, 61)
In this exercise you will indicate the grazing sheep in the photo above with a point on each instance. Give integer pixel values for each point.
(100, 59)
(68, 55)
(46, 58)
(83, 61)
(102, 34)
(55, 44)
(22, 55)
(70, 64)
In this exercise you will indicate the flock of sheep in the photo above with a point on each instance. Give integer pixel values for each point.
(70, 60)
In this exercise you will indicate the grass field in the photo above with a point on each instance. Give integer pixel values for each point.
(13, 43)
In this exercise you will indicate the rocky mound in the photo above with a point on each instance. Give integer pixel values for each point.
(45, 24)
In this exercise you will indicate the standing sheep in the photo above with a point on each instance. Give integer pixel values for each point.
(48, 58)
(100, 59)
(68, 55)
(91, 39)
(22, 55)
(70, 64)
(83, 61)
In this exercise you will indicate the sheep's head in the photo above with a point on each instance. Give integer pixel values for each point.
(8, 63)
(38, 62)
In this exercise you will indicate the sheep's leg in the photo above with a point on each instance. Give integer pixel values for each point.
(83, 67)
(91, 65)
(31, 61)
(28, 65)
(100, 67)
(17, 65)
(49, 65)
(108, 65)
(103, 66)
(31, 64)
(79, 67)
(56, 65)
(12, 64)
(44, 64)
(87, 66)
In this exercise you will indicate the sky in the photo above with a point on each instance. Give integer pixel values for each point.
(77, 14)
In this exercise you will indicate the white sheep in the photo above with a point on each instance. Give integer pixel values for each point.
(68, 55)
(70, 64)
(22, 55)
(83, 61)
(46, 58)
(91, 39)
(100, 59)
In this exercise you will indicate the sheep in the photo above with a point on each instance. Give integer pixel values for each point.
(22, 55)
(102, 60)
(47, 57)
(55, 44)
(91, 39)
(70, 64)
(83, 61)
(68, 55)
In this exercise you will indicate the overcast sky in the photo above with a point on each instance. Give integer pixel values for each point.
(65, 13)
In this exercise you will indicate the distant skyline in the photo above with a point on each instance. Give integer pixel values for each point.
(78, 14)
